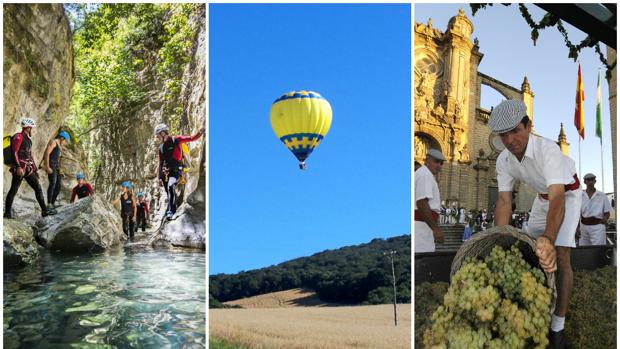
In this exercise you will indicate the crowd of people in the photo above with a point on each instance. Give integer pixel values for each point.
(134, 209)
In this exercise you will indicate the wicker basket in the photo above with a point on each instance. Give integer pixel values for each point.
(481, 244)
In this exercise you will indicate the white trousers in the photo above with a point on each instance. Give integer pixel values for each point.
(572, 211)
(592, 235)
(423, 238)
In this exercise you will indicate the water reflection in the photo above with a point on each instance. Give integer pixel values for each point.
(116, 299)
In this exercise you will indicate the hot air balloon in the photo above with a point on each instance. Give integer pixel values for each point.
(301, 119)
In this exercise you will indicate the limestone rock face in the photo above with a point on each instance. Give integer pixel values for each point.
(19, 245)
(187, 228)
(38, 74)
(88, 225)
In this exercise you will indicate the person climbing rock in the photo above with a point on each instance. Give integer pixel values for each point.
(128, 209)
(82, 189)
(52, 166)
(22, 166)
(170, 162)
(142, 212)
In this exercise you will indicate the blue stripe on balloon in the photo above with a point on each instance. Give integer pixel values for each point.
(298, 95)
(311, 136)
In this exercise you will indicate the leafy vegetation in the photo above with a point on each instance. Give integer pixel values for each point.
(591, 317)
(353, 275)
(121, 53)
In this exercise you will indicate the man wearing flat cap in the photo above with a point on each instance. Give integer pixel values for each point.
(539, 162)
(427, 203)
(595, 210)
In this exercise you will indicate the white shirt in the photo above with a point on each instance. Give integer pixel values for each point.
(543, 164)
(426, 188)
(595, 206)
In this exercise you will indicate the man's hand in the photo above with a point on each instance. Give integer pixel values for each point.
(578, 233)
(161, 183)
(202, 131)
(438, 235)
(48, 170)
(545, 251)
(20, 171)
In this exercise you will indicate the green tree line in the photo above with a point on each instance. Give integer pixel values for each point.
(359, 274)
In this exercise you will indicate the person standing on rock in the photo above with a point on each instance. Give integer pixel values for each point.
(595, 210)
(24, 167)
(82, 189)
(170, 166)
(52, 166)
(427, 203)
(128, 209)
(142, 213)
(539, 162)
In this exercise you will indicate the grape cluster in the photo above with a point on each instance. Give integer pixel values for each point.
(498, 302)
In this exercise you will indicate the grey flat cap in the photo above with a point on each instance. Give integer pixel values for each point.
(507, 116)
(589, 176)
(436, 154)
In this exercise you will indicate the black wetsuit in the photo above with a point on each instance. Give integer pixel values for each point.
(141, 216)
(127, 215)
(169, 168)
(31, 176)
(53, 189)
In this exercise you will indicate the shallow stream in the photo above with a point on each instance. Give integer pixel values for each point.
(115, 299)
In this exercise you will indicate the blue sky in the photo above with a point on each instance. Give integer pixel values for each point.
(509, 56)
(263, 209)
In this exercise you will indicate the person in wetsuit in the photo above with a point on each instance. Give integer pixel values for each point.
(82, 189)
(128, 209)
(23, 167)
(142, 212)
(52, 166)
(170, 167)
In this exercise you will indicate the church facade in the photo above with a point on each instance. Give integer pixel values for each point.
(448, 115)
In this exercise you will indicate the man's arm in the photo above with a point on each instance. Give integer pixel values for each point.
(48, 150)
(424, 210)
(555, 215)
(73, 194)
(185, 139)
(545, 244)
(503, 208)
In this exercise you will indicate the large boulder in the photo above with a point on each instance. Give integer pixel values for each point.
(89, 225)
(19, 245)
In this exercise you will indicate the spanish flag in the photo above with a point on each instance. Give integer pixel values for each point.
(579, 97)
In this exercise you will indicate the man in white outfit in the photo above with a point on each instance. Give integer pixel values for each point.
(427, 203)
(595, 210)
(539, 163)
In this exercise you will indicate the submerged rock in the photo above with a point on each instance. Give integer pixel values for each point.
(89, 225)
(20, 248)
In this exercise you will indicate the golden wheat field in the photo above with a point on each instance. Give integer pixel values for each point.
(297, 297)
(342, 327)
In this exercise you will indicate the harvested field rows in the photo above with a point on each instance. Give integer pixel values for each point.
(359, 327)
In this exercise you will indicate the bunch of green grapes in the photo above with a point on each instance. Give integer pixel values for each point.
(501, 302)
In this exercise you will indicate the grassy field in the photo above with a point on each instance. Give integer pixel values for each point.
(329, 327)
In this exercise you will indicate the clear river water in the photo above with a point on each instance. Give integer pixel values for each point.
(116, 299)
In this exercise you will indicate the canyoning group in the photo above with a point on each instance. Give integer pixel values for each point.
(173, 165)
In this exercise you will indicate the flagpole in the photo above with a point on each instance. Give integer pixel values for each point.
(602, 171)
(599, 124)
(579, 157)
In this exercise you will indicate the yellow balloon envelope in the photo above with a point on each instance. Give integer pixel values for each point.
(301, 119)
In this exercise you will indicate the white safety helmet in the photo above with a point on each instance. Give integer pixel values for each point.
(28, 122)
(161, 128)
